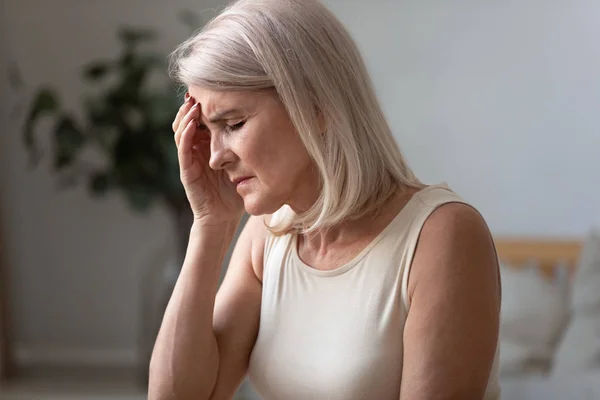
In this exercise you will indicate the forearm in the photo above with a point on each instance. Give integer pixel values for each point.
(185, 359)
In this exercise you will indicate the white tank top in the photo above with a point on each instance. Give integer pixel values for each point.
(338, 334)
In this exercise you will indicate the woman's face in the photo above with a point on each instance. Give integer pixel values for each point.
(252, 136)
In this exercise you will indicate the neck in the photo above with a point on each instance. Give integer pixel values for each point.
(354, 230)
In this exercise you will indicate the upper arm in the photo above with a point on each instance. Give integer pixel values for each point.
(237, 308)
(451, 331)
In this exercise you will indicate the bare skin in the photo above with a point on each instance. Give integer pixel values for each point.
(205, 341)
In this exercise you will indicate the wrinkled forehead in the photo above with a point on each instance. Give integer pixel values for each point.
(212, 100)
(215, 102)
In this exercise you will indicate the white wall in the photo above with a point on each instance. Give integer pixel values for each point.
(497, 98)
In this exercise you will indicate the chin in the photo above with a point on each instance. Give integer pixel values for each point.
(259, 205)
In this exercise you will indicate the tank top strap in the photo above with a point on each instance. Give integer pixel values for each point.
(276, 247)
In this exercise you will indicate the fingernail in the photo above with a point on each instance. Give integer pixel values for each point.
(195, 106)
(187, 96)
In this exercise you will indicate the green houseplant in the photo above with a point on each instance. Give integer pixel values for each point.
(126, 120)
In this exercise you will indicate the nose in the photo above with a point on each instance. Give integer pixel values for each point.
(220, 154)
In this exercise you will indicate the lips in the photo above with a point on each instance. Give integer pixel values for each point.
(237, 181)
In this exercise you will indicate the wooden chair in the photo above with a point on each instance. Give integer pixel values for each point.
(548, 254)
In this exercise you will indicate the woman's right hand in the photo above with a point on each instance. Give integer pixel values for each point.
(212, 196)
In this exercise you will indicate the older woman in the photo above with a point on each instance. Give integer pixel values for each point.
(351, 279)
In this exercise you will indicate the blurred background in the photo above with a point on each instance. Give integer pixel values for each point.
(498, 99)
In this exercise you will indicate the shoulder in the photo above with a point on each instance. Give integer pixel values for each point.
(454, 243)
(452, 327)
(256, 233)
(453, 223)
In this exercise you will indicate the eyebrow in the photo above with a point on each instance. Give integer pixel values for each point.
(221, 115)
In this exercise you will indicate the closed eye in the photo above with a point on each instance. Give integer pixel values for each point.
(204, 133)
(235, 127)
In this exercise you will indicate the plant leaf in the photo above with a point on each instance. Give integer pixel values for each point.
(96, 71)
(100, 183)
(132, 36)
(154, 61)
(68, 140)
(139, 197)
(161, 108)
(45, 103)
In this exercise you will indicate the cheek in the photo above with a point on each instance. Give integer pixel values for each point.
(254, 154)
(288, 169)
(257, 151)
(273, 152)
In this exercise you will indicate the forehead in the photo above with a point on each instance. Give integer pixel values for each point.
(213, 101)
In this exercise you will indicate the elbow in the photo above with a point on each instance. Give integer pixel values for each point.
(160, 387)
(165, 385)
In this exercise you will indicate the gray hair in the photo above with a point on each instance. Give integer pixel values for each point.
(300, 49)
